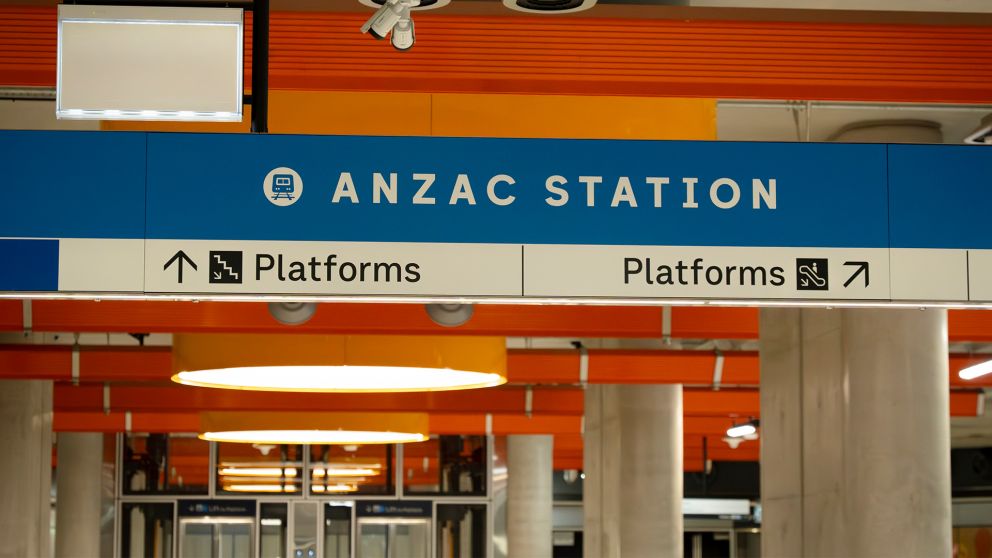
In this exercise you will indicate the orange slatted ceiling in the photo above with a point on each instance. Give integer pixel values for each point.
(647, 57)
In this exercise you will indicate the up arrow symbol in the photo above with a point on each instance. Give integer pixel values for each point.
(180, 257)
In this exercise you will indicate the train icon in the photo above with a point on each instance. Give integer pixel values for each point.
(283, 187)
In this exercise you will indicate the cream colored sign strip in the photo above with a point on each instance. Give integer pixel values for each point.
(920, 274)
(101, 265)
(980, 275)
(332, 268)
(706, 272)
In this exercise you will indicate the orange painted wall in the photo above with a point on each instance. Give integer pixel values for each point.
(473, 115)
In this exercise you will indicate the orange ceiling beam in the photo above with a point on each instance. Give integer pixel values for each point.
(697, 402)
(589, 56)
(525, 366)
(254, 317)
(567, 429)
(693, 322)
(501, 400)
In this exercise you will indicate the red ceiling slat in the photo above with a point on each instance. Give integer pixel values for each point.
(94, 422)
(35, 362)
(543, 367)
(740, 369)
(969, 325)
(642, 367)
(714, 323)
(589, 56)
(964, 403)
(11, 315)
(705, 402)
(124, 364)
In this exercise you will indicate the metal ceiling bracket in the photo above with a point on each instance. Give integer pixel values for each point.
(529, 401)
(583, 365)
(75, 363)
(718, 371)
(666, 324)
(27, 317)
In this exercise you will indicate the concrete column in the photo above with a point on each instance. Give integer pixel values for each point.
(78, 477)
(855, 433)
(633, 466)
(601, 465)
(530, 468)
(25, 468)
(651, 470)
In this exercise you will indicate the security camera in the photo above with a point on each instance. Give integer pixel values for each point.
(403, 36)
(393, 17)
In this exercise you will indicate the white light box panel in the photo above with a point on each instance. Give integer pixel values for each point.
(150, 63)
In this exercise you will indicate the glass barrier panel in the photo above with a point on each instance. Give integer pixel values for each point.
(165, 464)
(272, 531)
(461, 530)
(147, 529)
(337, 530)
(446, 465)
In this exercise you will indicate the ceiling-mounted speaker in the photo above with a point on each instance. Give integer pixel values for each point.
(549, 6)
(450, 315)
(292, 313)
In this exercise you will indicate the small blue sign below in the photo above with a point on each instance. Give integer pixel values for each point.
(393, 508)
(223, 508)
(29, 265)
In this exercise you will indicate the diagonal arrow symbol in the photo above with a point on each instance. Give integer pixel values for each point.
(862, 267)
(180, 257)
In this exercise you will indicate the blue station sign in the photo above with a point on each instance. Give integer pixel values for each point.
(227, 215)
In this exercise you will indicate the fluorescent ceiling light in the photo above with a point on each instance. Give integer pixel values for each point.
(338, 488)
(743, 430)
(345, 472)
(976, 371)
(271, 522)
(354, 379)
(259, 488)
(338, 363)
(331, 437)
(257, 471)
(150, 63)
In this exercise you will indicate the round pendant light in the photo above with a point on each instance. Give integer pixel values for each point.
(338, 363)
(314, 428)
